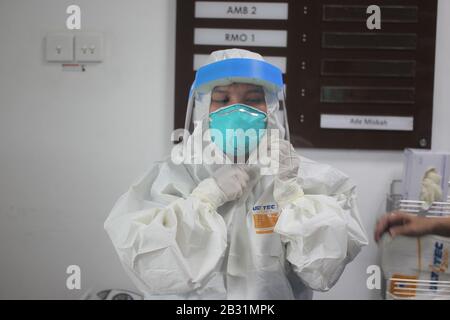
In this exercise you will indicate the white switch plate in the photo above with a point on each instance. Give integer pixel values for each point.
(59, 47)
(89, 47)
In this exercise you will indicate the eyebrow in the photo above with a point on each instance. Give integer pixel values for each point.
(220, 91)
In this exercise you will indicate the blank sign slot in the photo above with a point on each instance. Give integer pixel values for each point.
(367, 95)
(368, 68)
(347, 40)
(349, 13)
(279, 62)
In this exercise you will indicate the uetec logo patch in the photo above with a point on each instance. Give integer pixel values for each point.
(265, 218)
(440, 264)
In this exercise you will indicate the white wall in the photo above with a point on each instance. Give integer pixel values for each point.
(71, 142)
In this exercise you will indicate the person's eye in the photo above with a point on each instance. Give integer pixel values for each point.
(221, 100)
(255, 100)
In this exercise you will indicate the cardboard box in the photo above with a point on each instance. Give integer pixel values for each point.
(416, 268)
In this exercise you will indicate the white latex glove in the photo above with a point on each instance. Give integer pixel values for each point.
(431, 187)
(232, 180)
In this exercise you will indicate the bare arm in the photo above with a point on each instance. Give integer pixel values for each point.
(400, 223)
(442, 227)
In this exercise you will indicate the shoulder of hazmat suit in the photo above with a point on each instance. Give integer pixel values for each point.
(179, 237)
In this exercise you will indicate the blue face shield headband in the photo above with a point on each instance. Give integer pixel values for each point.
(238, 70)
(237, 129)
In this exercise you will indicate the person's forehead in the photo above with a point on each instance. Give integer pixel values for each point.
(238, 87)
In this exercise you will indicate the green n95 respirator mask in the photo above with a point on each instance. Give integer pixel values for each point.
(237, 129)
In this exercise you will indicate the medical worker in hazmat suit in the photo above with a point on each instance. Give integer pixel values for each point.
(198, 228)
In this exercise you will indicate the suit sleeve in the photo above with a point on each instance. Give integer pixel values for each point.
(167, 232)
(319, 223)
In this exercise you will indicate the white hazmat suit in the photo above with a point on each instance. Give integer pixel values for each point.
(187, 231)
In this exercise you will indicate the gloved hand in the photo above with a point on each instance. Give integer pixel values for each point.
(289, 162)
(286, 188)
(232, 180)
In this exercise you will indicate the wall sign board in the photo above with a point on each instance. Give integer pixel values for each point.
(339, 121)
(240, 37)
(241, 10)
(347, 86)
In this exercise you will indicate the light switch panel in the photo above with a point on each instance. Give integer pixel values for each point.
(59, 47)
(89, 47)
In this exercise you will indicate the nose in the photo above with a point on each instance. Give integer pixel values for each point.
(234, 100)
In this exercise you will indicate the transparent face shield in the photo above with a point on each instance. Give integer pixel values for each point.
(200, 117)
